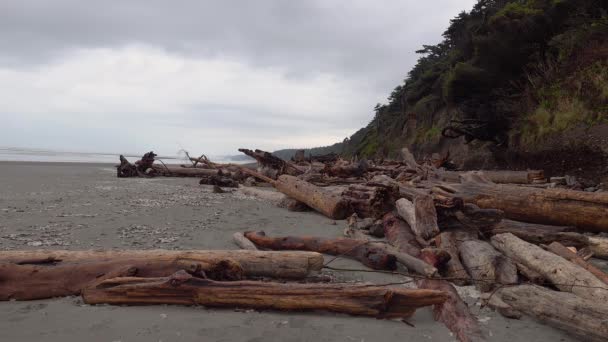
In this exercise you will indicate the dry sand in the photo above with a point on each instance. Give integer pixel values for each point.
(83, 206)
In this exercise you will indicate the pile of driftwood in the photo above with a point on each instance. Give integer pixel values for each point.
(525, 243)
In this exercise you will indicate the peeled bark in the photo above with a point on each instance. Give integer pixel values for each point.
(454, 312)
(582, 317)
(328, 204)
(563, 274)
(420, 214)
(181, 288)
(584, 210)
(567, 254)
(486, 265)
(361, 250)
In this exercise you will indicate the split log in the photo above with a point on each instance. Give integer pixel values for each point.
(540, 233)
(361, 250)
(243, 242)
(330, 205)
(449, 241)
(567, 254)
(599, 246)
(582, 317)
(420, 214)
(184, 289)
(584, 210)
(454, 312)
(563, 274)
(486, 266)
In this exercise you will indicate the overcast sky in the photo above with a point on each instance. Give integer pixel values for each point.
(207, 76)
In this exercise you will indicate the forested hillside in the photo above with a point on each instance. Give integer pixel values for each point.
(510, 77)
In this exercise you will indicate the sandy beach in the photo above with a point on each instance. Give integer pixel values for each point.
(85, 206)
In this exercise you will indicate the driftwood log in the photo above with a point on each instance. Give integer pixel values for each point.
(184, 289)
(361, 250)
(449, 242)
(565, 275)
(599, 246)
(587, 211)
(501, 177)
(42, 274)
(486, 265)
(567, 254)
(420, 214)
(579, 316)
(540, 233)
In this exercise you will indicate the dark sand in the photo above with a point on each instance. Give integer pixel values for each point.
(83, 206)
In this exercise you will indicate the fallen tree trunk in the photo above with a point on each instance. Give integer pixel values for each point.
(584, 210)
(501, 177)
(563, 274)
(181, 288)
(420, 214)
(582, 317)
(540, 233)
(454, 312)
(361, 250)
(330, 205)
(172, 171)
(486, 266)
(567, 254)
(254, 263)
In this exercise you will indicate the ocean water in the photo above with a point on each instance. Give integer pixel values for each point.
(45, 155)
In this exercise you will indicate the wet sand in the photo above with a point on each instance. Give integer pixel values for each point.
(84, 206)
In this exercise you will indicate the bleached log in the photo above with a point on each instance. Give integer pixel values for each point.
(486, 265)
(565, 275)
(582, 317)
(243, 242)
(567, 254)
(599, 246)
(420, 214)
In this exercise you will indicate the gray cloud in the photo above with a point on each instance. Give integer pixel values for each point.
(365, 46)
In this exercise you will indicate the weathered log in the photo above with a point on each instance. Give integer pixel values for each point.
(579, 316)
(449, 241)
(369, 201)
(540, 233)
(567, 254)
(125, 169)
(454, 312)
(330, 205)
(361, 250)
(486, 265)
(173, 171)
(399, 234)
(531, 275)
(345, 171)
(599, 246)
(584, 210)
(420, 214)
(243, 242)
(412, 264)
(184, 289)
(563, 274)
(268, 160)
(501, 176)
(253, 263)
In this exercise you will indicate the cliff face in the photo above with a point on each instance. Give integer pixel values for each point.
(514, 84)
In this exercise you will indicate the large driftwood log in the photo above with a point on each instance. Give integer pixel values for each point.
(540, 233)
(454, 312)
(173, 171)
(420, 214)
(361, 250)
(327, 203)
(184, 289)
(268, 160)
(565, 275)
(585, 210)
(581, 317)
(502, 176)
(486, 265)
(567, 254)
(254, 263)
